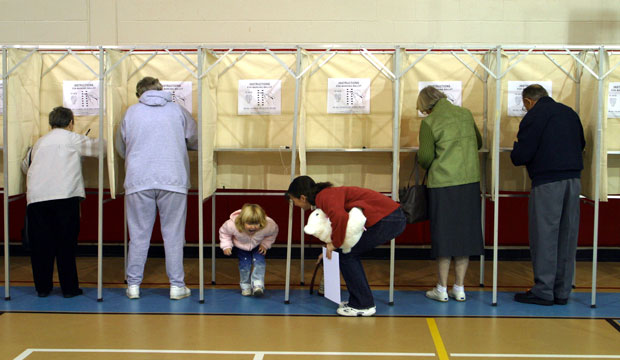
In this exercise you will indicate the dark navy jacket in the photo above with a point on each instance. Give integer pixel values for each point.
(550, 143)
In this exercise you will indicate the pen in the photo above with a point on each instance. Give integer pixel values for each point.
(87, 131)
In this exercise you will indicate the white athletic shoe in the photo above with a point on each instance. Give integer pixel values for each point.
(346, 310)
(437, 295)
(246, 292)
(133, 291)
(457, 295)
(179, 292)
(258, 291)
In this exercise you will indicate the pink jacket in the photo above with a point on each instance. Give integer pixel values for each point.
(229, 235)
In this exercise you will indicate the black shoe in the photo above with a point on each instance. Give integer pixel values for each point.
(73, 293)
(529, 298)
(43, 293)
(559, 301)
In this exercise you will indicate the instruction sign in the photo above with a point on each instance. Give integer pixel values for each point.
(181, 92)
(260, 97)
(82, 97)
(452, 89)
(613, 108)
(515, 101)
(348, 96)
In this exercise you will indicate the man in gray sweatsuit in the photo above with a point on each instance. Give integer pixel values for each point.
(153, 138)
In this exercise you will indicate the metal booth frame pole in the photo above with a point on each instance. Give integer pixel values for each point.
(5, 161)
(100, 178)
(498, 114)
(201, 270)
(395, 157)
(287, 284)
(597, 177)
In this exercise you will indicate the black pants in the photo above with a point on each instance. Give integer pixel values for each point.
(53, 228)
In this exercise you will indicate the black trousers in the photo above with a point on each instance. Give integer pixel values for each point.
(53, 228)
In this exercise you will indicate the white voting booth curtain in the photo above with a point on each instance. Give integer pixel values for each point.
(269, 169)
(538, 68)
(612, 130)
(589, 117)
(323, 130)
(436, 68)
(209, 123)
(71, 69)
(116, 105)
(165, 67)
(22, 113)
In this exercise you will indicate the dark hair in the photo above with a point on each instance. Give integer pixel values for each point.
(304, 185)
(534, 92)
(60, 117)
(146, 84)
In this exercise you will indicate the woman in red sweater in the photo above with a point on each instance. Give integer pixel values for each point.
(385, 220)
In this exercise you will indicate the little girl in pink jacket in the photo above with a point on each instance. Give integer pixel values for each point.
(252, 233)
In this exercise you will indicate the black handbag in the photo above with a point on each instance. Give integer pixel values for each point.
(413, 198)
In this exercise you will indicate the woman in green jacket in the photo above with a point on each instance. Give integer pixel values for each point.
(449, 143)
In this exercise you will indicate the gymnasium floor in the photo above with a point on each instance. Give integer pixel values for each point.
(229, 326)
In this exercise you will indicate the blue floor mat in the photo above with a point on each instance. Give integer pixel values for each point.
(229, 301)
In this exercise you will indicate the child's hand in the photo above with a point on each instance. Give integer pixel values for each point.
(227, 252)
(262, 250)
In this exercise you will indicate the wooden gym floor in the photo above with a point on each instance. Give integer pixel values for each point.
(229, 326)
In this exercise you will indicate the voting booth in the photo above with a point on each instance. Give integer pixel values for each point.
(344, 114)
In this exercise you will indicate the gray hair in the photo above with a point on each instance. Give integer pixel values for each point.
(534, 92)
(60, 117)
(428, 97)
(146, 84)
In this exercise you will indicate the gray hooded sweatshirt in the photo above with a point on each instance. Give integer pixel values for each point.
(153, 138)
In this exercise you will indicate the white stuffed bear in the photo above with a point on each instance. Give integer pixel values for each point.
(320, 227)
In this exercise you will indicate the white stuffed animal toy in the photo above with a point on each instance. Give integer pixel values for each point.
(320, 227)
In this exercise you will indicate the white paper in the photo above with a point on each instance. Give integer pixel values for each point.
(259, 97)
(331, 276)
(515, 101)
(348, 96)
(82, 97)
(613, 107)
(181, 92)
(452, 89)
(1, 98)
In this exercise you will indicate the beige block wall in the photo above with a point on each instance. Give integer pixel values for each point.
(423, 22)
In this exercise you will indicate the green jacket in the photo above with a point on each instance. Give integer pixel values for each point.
(449, 143)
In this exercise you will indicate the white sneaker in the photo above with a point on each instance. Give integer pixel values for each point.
(258, 291)
(346, 310)
(133, 291)
(437, 295)
(179, 292)
(457, 295)
(246, 292)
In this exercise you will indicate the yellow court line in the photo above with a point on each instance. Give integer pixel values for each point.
(441, 349)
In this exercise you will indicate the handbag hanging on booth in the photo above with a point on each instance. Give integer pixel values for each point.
(413, 198)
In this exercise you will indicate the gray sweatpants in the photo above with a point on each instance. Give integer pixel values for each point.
(142, 209)
(554, 229)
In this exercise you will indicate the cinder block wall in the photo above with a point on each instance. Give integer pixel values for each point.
(424, 22)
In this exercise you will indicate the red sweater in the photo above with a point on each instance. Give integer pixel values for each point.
(337, 201)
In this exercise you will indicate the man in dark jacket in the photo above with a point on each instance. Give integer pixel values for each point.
(550, 144)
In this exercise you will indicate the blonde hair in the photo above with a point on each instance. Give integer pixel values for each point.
(428, 97)
(251, 214)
